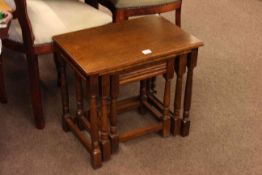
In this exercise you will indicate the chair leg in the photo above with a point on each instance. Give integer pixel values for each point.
(2, 85)
(58, 70)
(119, 15)
(33, 70)
(178, 17)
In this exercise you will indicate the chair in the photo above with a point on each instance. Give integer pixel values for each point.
(3, 33)
(37, 21)
(122, 9)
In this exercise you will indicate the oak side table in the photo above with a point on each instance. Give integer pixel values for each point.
(116, 54)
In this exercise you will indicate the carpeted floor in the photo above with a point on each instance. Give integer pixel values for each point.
(226, 115)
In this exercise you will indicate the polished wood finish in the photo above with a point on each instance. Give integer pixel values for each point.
(105, 143)
(191, 64)
(93, 56)
(154, 33)
(32, 52)
(140, 132)
(114, 92)
(180, 68)
(121, 14)
(178, 125)
(138, 72)
(96, 154)
(166, 100)
(80, 121)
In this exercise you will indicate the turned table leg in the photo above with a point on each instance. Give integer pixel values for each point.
(105, 143)
(143, 96)
(57, 62)
(64, 93)
(96, 155)
(151, 86)
(114, 136)
(191, 64)
(3, 98)
(166, 113)
(79, 100)
(180, 68)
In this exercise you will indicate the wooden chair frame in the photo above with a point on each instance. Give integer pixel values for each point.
(32, 52)
(120, 14)
(3, 34)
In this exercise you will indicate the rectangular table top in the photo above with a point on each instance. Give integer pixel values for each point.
(116, 47)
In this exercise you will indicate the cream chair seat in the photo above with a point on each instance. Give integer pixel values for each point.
(53, 17)
(37, 21)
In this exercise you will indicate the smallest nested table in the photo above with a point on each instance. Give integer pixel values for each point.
(116, 54)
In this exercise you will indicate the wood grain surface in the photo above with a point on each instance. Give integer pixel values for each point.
(116, 47)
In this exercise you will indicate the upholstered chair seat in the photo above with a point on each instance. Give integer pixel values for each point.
(139, 3)
(32, 29)
(53, 17)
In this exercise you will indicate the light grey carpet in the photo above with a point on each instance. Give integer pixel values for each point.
(226, 132)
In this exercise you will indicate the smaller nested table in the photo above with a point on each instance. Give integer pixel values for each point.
(116, 54)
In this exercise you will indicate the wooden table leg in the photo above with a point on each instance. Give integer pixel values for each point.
(57, 62)
(114, 136)
(64, 93)
(191, 64)
(143, 96)
(3, 98)
(151, 86)
(180, 68)
(79, 100)
(96, 155)
(166, 114)
(105, 143)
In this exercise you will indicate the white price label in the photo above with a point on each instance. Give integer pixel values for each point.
(147, 51)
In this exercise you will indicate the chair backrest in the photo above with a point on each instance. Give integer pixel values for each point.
(93, 3)
(24, 21)
(20, 12)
